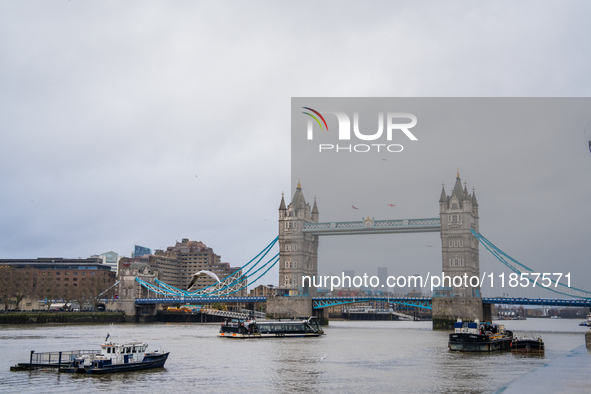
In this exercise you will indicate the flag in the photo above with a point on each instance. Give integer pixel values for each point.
(108, 335)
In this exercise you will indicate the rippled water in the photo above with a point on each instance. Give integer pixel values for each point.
(351, 357)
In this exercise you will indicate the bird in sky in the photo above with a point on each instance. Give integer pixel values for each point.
(201, 273)
(391, 205)
(354, 207)
(429, 246)
(587, 124)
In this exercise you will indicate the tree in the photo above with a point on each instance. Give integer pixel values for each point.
(16, 284)
(5, 287)
(96, 286)
(67, 292)
(23, 283)
(46, 287)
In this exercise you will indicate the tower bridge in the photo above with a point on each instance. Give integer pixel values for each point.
(298, 240)
(300, 229)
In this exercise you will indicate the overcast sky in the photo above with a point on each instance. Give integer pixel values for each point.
(146, 122)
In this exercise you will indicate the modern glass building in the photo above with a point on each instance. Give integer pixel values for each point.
(139, 251)
(110, 258)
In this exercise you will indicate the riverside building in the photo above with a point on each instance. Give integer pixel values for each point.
(177, 265)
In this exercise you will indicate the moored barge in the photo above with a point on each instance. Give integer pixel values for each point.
(477, 337)
(527, 344)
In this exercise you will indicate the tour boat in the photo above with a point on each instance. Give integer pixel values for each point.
(118, 357)
(476, 337)
(527, 344)
(300, 327)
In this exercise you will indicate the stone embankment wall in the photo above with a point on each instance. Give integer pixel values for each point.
(61, 317)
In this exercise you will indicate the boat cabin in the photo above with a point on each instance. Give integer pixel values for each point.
(110, 350)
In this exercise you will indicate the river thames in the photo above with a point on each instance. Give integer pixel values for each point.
(353, 356)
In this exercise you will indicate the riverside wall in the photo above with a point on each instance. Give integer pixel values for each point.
(61, 317)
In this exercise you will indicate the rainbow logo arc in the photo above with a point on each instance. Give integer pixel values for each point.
(315, 118)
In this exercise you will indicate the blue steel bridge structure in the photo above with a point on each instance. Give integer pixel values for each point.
(326, 302)
(257, 267)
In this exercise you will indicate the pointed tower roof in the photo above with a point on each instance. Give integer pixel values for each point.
(315, 209)
(474, 202)
(458, 191)
(298, 201)
(282, 205)
(466, 194)
(443, 195)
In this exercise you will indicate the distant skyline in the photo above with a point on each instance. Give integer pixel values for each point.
(148, 122)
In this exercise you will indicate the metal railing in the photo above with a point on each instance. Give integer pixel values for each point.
(56, 358)
(234, 315)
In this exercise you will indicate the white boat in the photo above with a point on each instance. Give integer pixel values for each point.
(118, 357)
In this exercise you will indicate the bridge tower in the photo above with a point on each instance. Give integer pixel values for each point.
(298, 252)
(458, 213)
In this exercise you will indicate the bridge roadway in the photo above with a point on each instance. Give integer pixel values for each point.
(370, 226)
(325, 302)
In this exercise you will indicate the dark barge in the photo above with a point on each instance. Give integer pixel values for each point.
(528, 344)
(476, 337)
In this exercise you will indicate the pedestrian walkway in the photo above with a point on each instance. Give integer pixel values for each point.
(570, 373)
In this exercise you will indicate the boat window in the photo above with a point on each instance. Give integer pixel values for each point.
(134, 350)
(108, 350)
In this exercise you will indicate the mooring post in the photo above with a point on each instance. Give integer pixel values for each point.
(59, 360)
(31, 358)
(588, 339)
